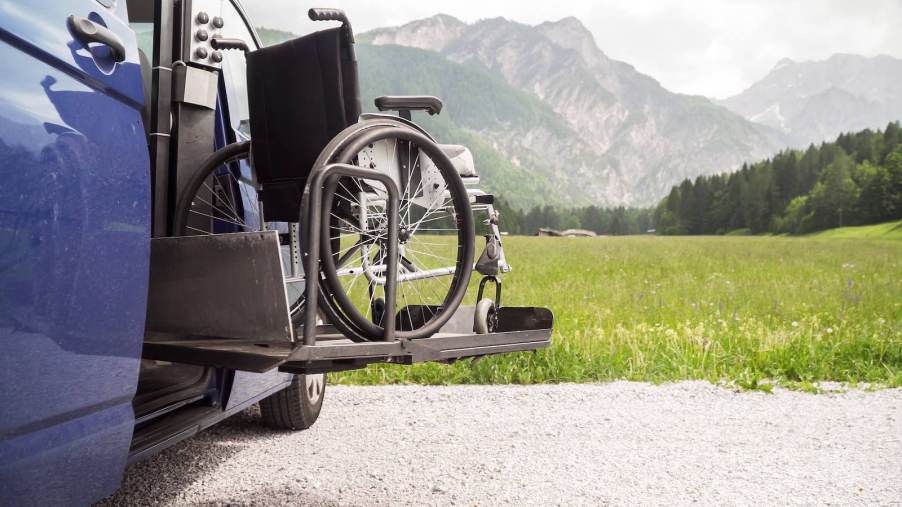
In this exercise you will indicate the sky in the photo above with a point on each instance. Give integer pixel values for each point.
(715, 48)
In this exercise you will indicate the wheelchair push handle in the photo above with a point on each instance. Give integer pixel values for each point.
(326, 14)
(222, 43)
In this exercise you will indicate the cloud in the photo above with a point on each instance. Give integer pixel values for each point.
(706, 47)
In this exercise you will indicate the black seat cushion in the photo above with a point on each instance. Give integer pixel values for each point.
(301, 93)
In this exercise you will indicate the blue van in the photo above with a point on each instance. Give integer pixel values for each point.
(105, 108)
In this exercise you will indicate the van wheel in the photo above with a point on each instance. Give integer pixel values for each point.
(297, 406)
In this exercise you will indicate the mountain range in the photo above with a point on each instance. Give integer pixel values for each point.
(551, 119)
(817, 100)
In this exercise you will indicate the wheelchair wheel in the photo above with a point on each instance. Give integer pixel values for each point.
(436, 247)
(221, 198)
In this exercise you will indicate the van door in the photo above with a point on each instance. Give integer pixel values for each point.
(74, 245)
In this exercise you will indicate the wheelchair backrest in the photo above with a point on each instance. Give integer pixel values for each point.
(301, 94)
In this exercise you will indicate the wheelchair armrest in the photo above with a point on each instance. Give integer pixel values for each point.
(428, 103)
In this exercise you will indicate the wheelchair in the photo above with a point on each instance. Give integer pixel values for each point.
(376, 219)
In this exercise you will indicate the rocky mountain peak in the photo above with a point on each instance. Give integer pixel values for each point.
(815, 100)
(554, 119)
(569, 27)
(571, 33)
(433, 33)
(447, 19)
(784, 62)
(840, 58)
(618, 136)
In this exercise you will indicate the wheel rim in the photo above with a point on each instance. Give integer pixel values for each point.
(436, 247)
(314, 385)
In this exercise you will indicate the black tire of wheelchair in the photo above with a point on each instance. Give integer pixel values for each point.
(466, 237)
(225, 155)
(327, 156)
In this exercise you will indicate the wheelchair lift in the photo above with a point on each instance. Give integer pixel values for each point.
(221, 301)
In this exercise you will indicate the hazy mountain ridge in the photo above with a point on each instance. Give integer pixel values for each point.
(643, 137)
(433, 35)
(813, 101)
(514, 136)
(545, 101)
(511, 133)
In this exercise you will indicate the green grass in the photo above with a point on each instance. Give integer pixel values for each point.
(888, 230)
(747, 310)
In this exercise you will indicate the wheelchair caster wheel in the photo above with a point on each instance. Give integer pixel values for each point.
(485, 319)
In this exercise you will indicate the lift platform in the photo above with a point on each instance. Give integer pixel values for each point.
(221, 301)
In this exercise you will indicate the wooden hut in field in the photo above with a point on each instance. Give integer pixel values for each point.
(567, 233)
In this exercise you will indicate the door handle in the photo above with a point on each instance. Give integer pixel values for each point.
(88, 31)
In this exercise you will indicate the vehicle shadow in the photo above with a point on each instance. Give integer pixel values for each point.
(164, 478)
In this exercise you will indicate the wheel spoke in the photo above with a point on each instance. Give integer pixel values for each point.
(213, 193)
(217, 218)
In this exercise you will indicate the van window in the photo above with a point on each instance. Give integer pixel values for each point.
(234, 67)
(234, 71)
(144, 32)
(140, 19)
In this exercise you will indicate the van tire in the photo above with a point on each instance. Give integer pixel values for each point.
(297, 406)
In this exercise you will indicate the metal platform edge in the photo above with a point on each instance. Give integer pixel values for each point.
(336, 356)
(526, 328)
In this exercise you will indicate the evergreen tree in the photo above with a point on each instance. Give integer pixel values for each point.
(875, 202)
(835, 195)
(856, 179)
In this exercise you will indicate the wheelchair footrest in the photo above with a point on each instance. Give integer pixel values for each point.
(519, 329)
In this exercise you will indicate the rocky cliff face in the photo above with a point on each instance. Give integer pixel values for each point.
(622, 138)
(433, 33)
(525, 151)
(817, 100)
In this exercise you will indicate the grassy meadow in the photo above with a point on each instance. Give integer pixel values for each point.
(888, 230)
(742, 309)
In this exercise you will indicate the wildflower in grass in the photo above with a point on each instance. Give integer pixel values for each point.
(795, 324)
(829, 330)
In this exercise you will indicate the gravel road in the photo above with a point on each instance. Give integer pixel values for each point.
(618, 443)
